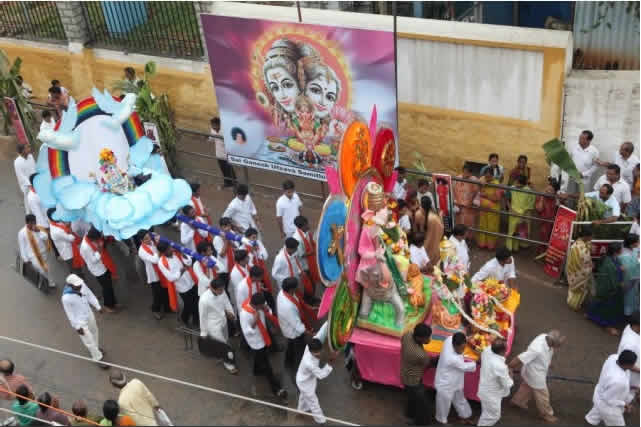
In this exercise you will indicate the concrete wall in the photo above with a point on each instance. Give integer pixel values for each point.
(475, 113)
(605, 102)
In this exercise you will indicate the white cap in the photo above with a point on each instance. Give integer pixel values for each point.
(74, 280)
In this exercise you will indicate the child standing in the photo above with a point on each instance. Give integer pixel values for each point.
(418, 254)
(403, 217)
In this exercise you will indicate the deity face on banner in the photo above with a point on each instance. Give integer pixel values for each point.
(323, 93)
(283, 86)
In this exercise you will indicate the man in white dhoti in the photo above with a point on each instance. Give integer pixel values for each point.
(534, 364)
(630, 341)
(77, 300)
(612, 395)
(33, 244)
(25, 166)
(307, 376)
(214, 308)
(450, 377)
(494, 384)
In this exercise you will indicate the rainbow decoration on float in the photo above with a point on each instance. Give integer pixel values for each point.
(88, 108)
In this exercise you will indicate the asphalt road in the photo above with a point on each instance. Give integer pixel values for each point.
(134, 338)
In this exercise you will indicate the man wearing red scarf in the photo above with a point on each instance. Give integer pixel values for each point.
(190, 236)
(307, 255)
(253, 315)
(67, 243)
(101, 266)
(294, 322)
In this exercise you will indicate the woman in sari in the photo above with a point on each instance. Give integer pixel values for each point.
(606, 309)
(630, 262)
(633, 207)
(464, 195)
(431, 224)
(521, 169)
(520, 203)
(578, 270)
(489, 221)
(546, 208)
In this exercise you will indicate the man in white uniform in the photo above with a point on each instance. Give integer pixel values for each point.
(612, 396)
(77, 300)
(286, 263)
(242, 210)
(307, 376)
(204, 272)
(501, 268)
(621, 188)
(462, 251)
(290, 318)
(534, 364)
(250, 285)
(188, 232)
(214, 309)
(65, 239)
(287, 208)
(630, 341)
(178, 270)
(32, 242)
(238, 273)
(91, 250)
(450, 377)
(585, 157)
(35, 206)
(494, 384)
(24, 166)
(148, 253)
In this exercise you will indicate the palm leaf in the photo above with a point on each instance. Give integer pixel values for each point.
(556, 153)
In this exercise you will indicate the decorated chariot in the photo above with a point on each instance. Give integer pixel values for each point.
(374, 294)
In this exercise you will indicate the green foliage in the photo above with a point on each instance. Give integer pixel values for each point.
(155, 109)
(9, 88)
(556, 153)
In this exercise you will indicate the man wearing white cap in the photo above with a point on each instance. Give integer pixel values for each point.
(77, 300)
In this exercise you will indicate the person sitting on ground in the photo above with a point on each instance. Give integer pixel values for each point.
(111, 411)
(24, 405)
(9, 378)
(135, 399)
(79, 409)
(47, 413)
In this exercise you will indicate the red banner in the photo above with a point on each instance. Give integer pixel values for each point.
(559, 240)
(443, 190)
(16, 120)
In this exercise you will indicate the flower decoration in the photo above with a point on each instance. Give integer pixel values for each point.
(107, 156)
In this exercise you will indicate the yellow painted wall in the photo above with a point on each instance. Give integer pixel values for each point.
(444, 138)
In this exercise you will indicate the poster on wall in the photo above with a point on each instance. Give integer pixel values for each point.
(559, 241)
(444, 205)
(151, 131)
(287, 92)
(16, 120)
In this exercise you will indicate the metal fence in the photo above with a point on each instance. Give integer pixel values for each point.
(38, 20)
(168, 28)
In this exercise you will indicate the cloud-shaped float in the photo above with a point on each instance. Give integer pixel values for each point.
(68, 164)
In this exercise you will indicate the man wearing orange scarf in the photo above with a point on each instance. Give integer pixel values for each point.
(67, 243)
(307, 256)
(101, 266)
(32, 241)
(189, 235)
(252, 315)
(293, 322)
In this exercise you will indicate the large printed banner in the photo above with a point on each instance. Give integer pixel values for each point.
(444, 204)
(559, 239)
(287, 92)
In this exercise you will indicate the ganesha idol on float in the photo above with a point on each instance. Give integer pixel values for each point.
(97, 166)
(364, 261)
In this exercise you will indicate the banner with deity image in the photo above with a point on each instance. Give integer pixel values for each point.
(287, 92)
(444, 205)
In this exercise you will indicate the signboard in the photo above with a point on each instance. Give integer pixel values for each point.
(16, 120)
(444, 204)
(559, 241)
(151, 131)
(287, 92)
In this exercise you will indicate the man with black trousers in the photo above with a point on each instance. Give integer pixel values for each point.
(100, 264)
(414, 361)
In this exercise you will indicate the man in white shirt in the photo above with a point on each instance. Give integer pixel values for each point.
(418, 254)
(630, 341)
(242, 211)
(253, 323)
(307, 376)
(148, 253)
(92, 251)
(287, 209)
(286, 263)
(585, 157)
(190, 236)
(224, 248)
(400, 186)
(32, 242)
(238, 273)
(35, 206)
(67, 243)
(612, 396)
(450, 378)
(534, 364)
(626, 162)
(494, 384)
(24, 166)
(458, 240)
(204, 272)
(605, 194)
(621, 188)
(215, 309)
(501, 268)
(47, 121)
(292, 325)
(178, 270)
(250, 285)
(221, 154)
(77, 301)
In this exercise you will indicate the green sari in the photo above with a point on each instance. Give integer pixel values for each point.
(520, 203)
(607, 308)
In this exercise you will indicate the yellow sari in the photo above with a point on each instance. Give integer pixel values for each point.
(489, 221)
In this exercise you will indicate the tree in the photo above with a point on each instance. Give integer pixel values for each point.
(10, 88)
